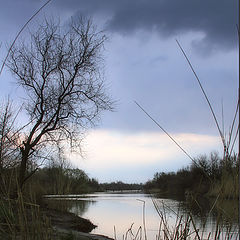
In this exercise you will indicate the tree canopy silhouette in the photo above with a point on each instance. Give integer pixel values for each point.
(60, 70)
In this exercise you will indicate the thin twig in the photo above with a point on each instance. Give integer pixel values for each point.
(24, 26)
(179, 146)
(232, 126)
(144, 218)
(204, 93)
(234, 141)
(183, 150)
(223, 130)
(115, 235)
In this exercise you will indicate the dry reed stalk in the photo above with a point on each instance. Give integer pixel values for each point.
(205, 95)
(18, 34)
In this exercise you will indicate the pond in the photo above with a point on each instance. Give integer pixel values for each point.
(118, 214)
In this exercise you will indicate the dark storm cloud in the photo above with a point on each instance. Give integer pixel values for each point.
(217, 19)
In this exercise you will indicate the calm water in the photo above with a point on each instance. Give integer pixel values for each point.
(115, 213)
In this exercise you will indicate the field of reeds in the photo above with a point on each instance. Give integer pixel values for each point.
(178, 225)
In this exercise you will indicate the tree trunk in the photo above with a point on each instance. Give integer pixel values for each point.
(23, 167)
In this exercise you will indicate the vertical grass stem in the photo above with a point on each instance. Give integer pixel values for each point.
(24, 26)
(238, 118)
(205, 95)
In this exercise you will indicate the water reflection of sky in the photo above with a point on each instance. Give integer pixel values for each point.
(121, 210)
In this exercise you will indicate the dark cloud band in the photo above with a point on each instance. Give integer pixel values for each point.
(217, 19)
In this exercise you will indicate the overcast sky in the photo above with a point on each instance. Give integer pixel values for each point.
(143, 63)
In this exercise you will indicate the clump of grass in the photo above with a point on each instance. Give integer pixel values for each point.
(186, 227)
(20, 215)
(226, 188)
(23, 220)
(130, 234)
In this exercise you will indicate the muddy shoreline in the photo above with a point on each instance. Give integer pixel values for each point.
(66, 224)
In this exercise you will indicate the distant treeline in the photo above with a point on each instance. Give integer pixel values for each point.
(208, 175)
(58, 180)
(120, 186)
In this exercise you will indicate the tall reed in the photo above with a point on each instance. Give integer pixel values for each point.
(23, 220)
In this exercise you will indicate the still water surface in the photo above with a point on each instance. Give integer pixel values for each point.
(115, 213)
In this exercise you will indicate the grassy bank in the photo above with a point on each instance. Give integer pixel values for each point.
(25, 215)
(210, 176)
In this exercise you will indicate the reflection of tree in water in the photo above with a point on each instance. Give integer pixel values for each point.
(221, 211)
(80, 207)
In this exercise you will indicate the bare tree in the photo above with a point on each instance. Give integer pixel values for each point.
(61, 73)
